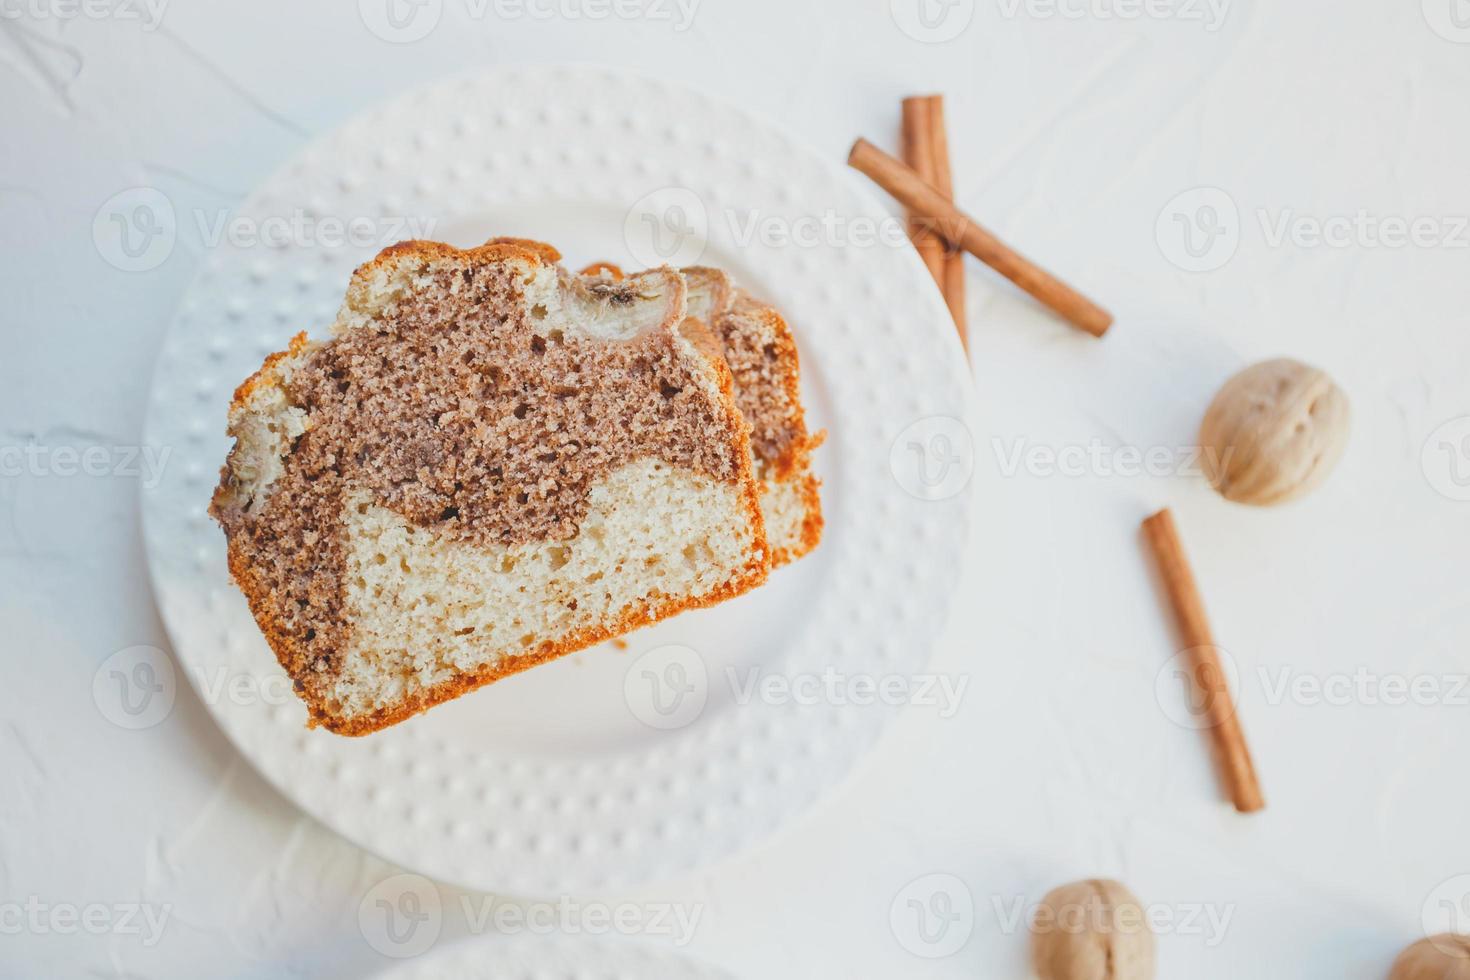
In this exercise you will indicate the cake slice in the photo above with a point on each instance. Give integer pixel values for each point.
(491, 463)
(759, 348)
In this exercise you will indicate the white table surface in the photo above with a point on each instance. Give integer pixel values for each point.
(1074, 130)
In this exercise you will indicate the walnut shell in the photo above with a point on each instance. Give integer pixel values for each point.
(1442, 957)
(1274, 432)
(1092, 930)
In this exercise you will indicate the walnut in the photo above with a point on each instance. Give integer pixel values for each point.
(1442, 957)
(1274, 432)
(1092, 930)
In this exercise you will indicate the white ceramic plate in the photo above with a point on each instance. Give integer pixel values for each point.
(554, 957)
(607, 768)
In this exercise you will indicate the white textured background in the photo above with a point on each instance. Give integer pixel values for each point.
(1074, 130)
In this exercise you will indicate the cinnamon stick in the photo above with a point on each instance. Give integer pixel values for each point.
(1232, 755)
(958, 229)
(918, 152)
(926, 150)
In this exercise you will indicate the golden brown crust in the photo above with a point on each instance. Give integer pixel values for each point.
(798, 454)
(266, 375)
(496, 249)
(285, 643)
(793, 466)
(812, 521)
(603, 268)
(548, 254)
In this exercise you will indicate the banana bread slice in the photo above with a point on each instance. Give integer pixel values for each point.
(492, 462)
